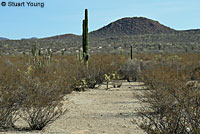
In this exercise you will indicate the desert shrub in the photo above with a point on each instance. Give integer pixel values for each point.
(43, 104)
(98, 66)
(170, 106)
(43, 89)
(32, 92)
(10, 100)
(9, 106)
(195, 74)
(131, 69)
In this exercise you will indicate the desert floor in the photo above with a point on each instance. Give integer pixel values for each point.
(97, 111)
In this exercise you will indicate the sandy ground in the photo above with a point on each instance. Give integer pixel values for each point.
(98, 111)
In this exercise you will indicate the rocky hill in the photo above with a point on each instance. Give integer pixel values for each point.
(132, 26)
(128, 27)
(144, 34)
(2, 38)
(63, 36)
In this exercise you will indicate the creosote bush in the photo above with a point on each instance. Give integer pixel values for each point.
(98, 66)
(43, 106)
(131, 70)
(35, 92)
(31, 92)
(170, 107)
(10, 100)
(42, 99)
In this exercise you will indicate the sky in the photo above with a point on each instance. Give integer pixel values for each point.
(65, 16)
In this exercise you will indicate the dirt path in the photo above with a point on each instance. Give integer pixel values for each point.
(99, 111)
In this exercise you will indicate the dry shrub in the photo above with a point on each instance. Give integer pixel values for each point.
(170, 106)
(195, 74)
(8, 109)
(101, 65)
(98, 66)
(43, 89)
(9, 94)
(131, 70)
(31, 92)
(43, 104)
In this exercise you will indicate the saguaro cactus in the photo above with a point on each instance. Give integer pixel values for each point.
(85, 37)
(80, 55)
(131, 52)
(159, 46)
(34, 50)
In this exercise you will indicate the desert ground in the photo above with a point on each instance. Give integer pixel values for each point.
(97, 111)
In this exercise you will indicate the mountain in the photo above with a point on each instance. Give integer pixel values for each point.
(2, 38)
(132, 26)
(191, 31)
(63, 36)
(32, 38)
(128, 27)
(144, 34)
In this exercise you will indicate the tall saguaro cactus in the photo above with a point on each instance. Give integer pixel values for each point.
(131, 52)
(85, 37)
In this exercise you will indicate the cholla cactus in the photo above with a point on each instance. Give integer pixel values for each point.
(34, 54)
(80, 55)
(158, 57)
(34, 50)
(50, 52)
(29, 70)
(107, 79)
(115, 76)
(63, 51)
(83, 83)
(48, 56)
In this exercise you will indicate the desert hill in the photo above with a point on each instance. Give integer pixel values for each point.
(144, 34)
(133, 26)
(2, 38)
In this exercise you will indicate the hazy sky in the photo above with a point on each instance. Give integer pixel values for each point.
(65, 16)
